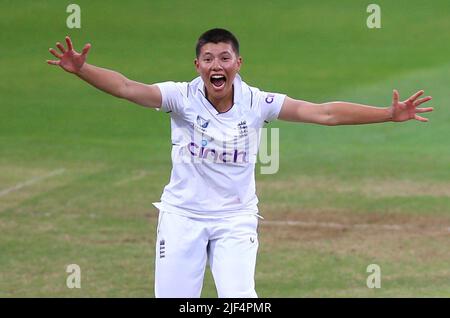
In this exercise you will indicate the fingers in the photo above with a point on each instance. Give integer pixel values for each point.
(395, 97)
(51, 62)
(419, 118)
(60, 47)
(55, 54)
(424, 110)
(69, 43)
(414, 97)
(422, 100)
(86, 49)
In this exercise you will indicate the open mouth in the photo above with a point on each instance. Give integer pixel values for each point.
(218, 80)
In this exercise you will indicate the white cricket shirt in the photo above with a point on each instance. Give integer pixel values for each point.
(214, 154)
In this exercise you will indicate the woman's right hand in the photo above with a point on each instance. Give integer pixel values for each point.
(69, 60)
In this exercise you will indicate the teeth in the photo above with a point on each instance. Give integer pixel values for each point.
(217, 76)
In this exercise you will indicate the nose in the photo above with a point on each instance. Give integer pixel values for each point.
(216, 65)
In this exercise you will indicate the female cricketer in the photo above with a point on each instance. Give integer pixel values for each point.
(208, 211)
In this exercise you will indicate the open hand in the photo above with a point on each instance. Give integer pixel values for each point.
(402, 111)
(70, 60)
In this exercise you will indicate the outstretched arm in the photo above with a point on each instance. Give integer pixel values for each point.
(106, 80)
(343, 113)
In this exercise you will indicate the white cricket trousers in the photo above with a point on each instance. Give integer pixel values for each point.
(185, 244)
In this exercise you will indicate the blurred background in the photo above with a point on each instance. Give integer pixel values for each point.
(79, 169)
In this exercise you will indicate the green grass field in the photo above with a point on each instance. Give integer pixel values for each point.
(79, 169)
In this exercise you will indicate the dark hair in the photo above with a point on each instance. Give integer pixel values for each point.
(216, 36)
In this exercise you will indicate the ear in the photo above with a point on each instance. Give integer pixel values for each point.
(239, 62)
(196, 65)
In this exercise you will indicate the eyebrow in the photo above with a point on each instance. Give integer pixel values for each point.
(221, 53)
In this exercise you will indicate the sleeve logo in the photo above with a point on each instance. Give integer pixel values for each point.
(269, 99)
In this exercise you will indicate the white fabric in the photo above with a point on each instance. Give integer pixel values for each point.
(184, 245)
(214, 154)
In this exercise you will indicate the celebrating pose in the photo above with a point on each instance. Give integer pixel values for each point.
(208, 211)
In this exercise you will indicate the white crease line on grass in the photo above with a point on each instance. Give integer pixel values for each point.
(390, 227)
(31, 182)
(141, 175)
